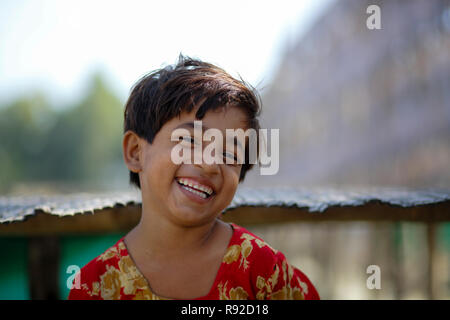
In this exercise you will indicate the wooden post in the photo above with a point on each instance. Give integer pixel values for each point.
(398, 259)
(431, 243)
(43, 267)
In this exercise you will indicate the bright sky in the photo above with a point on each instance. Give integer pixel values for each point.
(56, 45)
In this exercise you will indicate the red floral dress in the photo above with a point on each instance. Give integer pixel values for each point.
(250, 269)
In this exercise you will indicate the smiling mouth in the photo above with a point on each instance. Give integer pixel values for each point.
(194, 187)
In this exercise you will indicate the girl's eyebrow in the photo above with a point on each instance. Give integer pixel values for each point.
(190, 125)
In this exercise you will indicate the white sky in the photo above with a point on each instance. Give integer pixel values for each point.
(55, 45)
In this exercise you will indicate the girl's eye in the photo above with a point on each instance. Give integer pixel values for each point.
(230, 156)
(187, 139)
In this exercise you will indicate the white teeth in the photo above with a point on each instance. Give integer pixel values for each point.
(206, 189)
(201, 194)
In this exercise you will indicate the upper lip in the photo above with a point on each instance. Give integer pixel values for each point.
(200, 182)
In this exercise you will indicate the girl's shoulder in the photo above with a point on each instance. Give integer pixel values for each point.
(267, 268)
(110, 257)
(248, 251)
(87, 282)
(242, 236)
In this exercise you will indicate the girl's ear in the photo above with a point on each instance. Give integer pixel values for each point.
(131, 146)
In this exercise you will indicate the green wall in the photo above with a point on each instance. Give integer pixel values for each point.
(79, 250)
(13, 269)
(74, 250)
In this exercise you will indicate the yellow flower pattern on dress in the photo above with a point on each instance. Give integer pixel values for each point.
(110, 284)
(243, 250)
(237, 293)
(232, 254)
(266, 286)
(108, 254)
(250, 269)
(287, 292)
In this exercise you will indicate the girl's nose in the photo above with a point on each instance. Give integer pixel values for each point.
(210, 157)
(208, 167)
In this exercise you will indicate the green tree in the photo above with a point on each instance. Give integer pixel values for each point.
(78, 145)
(24, 126)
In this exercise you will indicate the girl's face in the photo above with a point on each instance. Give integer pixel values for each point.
(189, 194)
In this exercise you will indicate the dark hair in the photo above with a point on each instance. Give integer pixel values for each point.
(164, 93)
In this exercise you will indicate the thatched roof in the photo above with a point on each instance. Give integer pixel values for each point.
(248, 206)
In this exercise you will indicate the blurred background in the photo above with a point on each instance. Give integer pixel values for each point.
(356, 108)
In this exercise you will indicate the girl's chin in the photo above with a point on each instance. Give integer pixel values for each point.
(188, 217)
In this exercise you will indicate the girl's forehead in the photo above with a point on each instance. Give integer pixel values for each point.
(227, 117)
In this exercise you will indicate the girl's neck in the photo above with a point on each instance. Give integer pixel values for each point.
(162, 239)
